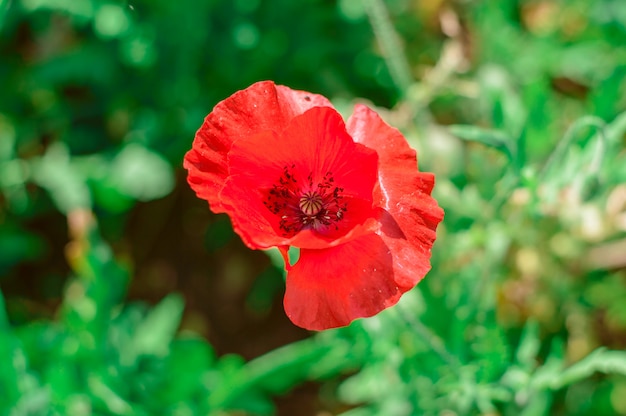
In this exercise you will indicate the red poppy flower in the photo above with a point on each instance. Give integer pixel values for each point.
(288, 171)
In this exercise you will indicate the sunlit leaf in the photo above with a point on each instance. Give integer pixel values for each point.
(66, 186)
(492, 138)
(156, 331)
(529, 345)
(141, 173)
(601, 360)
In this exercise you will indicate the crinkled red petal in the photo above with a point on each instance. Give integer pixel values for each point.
(332, 287)
(409, 215)
(314, 143)
(261, 107)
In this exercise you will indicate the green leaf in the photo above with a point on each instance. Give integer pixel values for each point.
(601, 361)
(110, 399)
(155, 333)
(190, 359)
(140, 173)
(17, 246)
(4, 319)
(505, 106)
(615, 130)
(66, 185)
(492, 138)
(7, 129)
(528, 349)
(80, 9)
(580, 168)
(18, 386)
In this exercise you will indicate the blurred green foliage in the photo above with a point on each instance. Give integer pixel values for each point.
(518, 106)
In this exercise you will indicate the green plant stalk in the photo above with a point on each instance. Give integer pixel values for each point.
(559, 153)
(435, 343)
(601, 361)
(390, 45)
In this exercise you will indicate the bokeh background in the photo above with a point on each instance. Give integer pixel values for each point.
(121, 294)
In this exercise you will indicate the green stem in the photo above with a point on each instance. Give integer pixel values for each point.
(427, 335)
(390, 45)
(559, 153)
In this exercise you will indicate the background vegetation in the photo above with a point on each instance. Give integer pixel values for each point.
(122, 295)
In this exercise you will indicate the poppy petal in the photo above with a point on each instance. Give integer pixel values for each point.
(263, 106)
(410, 215)
(332, 287)
(314, 144)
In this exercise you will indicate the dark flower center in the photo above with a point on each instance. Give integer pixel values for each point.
(305, 204)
